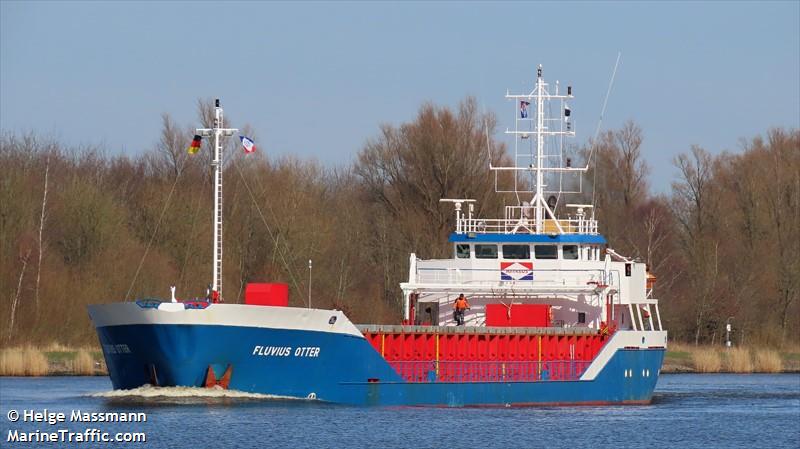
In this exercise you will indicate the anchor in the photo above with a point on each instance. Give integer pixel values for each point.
(224, 381)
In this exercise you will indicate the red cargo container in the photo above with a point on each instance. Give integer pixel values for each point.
(267, 294)
(520, 315)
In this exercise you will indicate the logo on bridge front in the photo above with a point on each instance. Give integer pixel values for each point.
(516, 271)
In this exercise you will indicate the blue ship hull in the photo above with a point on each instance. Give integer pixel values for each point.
(342, 368)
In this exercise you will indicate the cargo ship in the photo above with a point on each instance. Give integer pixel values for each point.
(555, 316)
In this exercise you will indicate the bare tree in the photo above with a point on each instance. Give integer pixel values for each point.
(694, 190)
(694, 210)
(783, 204)
(407, 170)
(631, 168)
(172, 145)
(619, 182)
(15, 302)
(41, 231)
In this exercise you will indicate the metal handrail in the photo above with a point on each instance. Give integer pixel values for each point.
(489, 276)
(426, 371)
(523, 225)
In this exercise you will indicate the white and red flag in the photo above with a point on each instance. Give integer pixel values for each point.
(248, 144)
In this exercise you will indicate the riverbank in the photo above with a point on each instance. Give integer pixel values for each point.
(57, 360)
(53, 360)
(683, 358)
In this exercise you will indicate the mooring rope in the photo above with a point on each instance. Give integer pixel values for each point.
(269, 229)
(153, 237)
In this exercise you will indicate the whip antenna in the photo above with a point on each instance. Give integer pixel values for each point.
(488, 144)
(603, 111)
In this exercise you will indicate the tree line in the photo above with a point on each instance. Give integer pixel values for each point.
(78, 226)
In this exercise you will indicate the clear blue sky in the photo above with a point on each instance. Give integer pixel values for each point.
(317, 79)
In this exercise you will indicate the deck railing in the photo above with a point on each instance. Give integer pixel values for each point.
(524, 225)
(443, 271)
(423, 371)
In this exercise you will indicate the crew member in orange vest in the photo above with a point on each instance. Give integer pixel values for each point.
(459, 307)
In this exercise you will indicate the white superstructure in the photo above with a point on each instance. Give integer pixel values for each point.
(531, 255)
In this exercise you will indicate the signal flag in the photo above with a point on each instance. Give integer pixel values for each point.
(248, 144)
(195, 146)
(523, 109)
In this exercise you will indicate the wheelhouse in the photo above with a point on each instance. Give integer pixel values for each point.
(525, 247)
(527, 251)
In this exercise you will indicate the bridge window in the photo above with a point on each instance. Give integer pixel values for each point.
(462, 251)
(570, 252)
(516, 252)
(486, 251)
(546, 251)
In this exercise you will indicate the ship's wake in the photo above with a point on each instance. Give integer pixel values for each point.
(149, 394)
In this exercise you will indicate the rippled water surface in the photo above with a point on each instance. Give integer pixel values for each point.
(688, 410)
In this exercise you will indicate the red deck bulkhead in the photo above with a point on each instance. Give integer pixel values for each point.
(489, 351)
(518, 315)
(262, 294)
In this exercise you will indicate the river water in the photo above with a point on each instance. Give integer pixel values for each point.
(688, 411)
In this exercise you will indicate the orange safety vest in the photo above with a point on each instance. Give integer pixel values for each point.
(461, 304)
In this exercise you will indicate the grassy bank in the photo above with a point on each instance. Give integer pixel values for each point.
(57, 360)
(53, 360)
(683, 358)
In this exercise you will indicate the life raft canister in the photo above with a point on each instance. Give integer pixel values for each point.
(651, 280)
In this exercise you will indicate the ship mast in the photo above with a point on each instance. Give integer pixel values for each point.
(538, 200)
(217, 131)
(544, 127)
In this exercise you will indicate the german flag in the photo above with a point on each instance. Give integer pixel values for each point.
(195, 146)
